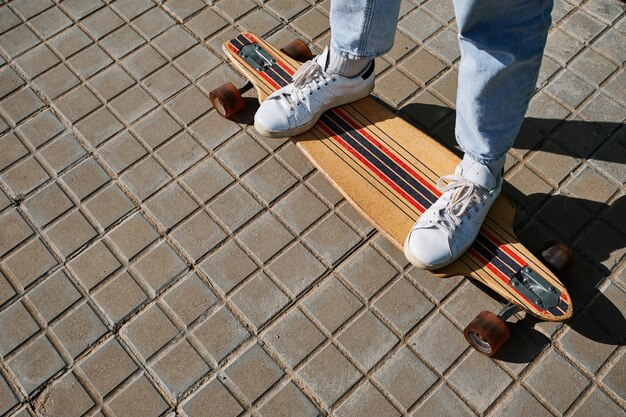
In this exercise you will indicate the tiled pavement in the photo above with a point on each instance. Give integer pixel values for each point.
(156, 260)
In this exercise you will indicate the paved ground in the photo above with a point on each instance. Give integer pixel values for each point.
(156, 260)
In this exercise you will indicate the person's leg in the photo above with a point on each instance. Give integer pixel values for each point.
(361, 30)
(502, 44)
(501, 48)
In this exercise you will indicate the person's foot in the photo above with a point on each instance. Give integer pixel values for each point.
(295, 108)
(445, 231)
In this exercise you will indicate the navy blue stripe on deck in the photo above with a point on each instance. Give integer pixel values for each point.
(409, 183)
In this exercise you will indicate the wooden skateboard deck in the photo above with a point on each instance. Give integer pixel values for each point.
(388, 169)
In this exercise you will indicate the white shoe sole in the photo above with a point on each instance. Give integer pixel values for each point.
(303, 128)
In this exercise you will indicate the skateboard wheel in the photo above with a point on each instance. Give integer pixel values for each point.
(558, 256)
(226, 99)
(487, 333)
(297, 50)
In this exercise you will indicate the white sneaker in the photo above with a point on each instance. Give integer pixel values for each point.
(295, 108)
(450, 226)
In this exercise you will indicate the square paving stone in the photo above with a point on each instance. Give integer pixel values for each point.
(213, 130)
(134, 234)
(404, 305)
(367, 271)
(94, 264)
(78, 103)
(520, 403)
(13, 150)
(56, 82)
(562, 47)
(153, 22)
(54, 295)
(479, 380)
(156, 128)
(41, 128)
(228, 266)
(297, 268)
(108, 367)
(206, 23)
(181, 153)
(598, 403)
(419, 25)
(554, 162)
(396, 87)
(300, 208)
(329, 375)
(269, 180)
(605, 113)
(332, 238)
(212, 400)
(171, 205)
(241, 153)
(143, 61)
(121, 152)
(198, 235)
(235, 207)
(570, 88)
(30, 262)
(174, 41)
(37, 60)
(139, 398)
(180, 367)
(62, 152)
(367, 327)
(9, 81)
(145, 178)
(289, 401)
(190, 298)
(221, 333)
(582, 26)
(102, 22)
(469, 302)
(423, 65)
(439, 342)
(122, 41)
(17, 40)
(79, 329)
(294, 337)
(235, 8)
(120, 297)
(311, 24)
(259, 22)
(150, 331)
(184, 8)
(132, 8)
(13, 230)
(593, 66)
(65, 398)
(20, 105)
(36, 363)
(166, 82)
(254, 372)
(99, 126)
(112, 81)
(159, 266)
(16, 326)
(50, 22)
(70, 233)
(133, 104)
(443, 402)
(6, 290)
(109, 205)
(553, 373)
(89, 61)
(265, 236)
(588, 344)
(70, 41)
(47, 204)
(197, 61)
(406, 377)
(7, 397)
(367, 400)
(614, 379)
(79, 9)
(260, 300)
(332, 304)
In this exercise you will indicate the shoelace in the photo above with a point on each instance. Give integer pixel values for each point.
(463, 192)
(308, 78)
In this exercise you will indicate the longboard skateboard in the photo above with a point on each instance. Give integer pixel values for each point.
(388, 169)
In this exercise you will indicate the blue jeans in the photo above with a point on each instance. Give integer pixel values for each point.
(501, 42)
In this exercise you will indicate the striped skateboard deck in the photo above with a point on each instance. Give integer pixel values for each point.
(388, 169)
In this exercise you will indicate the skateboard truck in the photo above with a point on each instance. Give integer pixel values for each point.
(536, 288)
(257, 57)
